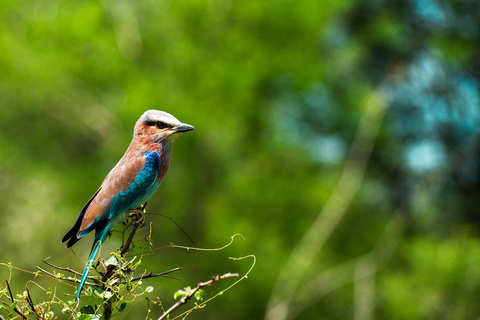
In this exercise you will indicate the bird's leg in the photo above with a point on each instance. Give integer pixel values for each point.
(139, 214)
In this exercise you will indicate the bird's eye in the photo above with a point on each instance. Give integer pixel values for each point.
(161, 125)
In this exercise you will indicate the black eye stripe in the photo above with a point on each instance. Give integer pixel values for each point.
(162, 125)
(158, 124)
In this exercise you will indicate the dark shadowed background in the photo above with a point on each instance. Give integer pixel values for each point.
(340, 138)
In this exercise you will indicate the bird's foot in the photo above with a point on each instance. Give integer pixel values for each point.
(138, 215)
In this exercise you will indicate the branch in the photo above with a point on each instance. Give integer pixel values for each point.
(126, 247)
(171, 219)
(153, 275)
(30, 303)
(191, 293)
(62, 268)
(16, 309)
(110, 270)
(66, 278)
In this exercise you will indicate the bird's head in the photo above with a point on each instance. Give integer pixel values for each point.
(160, 127)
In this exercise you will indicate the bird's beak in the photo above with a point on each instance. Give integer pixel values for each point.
(183, 128)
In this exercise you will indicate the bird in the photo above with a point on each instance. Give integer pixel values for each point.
(132, 181)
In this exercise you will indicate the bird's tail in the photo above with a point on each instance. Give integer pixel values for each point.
(93, 253)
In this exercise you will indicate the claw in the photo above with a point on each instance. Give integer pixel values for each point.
(138, 214)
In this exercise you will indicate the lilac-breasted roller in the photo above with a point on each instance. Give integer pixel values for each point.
(130, 183)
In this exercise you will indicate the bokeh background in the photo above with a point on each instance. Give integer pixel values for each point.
(340, 138)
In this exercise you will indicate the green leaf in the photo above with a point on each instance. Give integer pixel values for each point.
(104, 294)
(199, 295)
(180, 293)
(112, 261)
(12, 307)
(139, 262)
(99, 293)
(122, 306)
(89, 290)
(88, 309)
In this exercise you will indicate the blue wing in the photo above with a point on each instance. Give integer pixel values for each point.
(139, 190)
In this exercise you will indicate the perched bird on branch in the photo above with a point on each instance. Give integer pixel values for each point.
(130, 183)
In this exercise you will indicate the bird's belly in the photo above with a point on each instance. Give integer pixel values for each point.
(148, 194)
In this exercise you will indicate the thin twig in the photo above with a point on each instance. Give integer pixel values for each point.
(9, 290)
(66, 278)
(53, 297)
(62, 268)
(30, 303)
(16, 309)
(171, 219)
(191, 293)
(142, 238)
(129, 240)
(135, 224)
(153, 275)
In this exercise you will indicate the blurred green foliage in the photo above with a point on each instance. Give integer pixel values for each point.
(276, 90)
